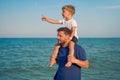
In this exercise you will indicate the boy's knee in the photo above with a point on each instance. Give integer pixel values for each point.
(57, 46)
(71, 43)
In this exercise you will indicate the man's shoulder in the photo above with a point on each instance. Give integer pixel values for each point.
(80, 52)
(78, 46)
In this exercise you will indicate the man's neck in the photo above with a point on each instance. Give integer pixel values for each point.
(65, 44)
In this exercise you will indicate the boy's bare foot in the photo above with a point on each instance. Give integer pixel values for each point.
(68, 64)
(52, 61)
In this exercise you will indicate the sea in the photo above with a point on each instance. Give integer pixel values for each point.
(28, 58)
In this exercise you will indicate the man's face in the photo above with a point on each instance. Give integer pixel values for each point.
(62, 37)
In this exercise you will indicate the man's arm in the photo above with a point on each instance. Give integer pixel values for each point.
(50, 20)
(81, 63)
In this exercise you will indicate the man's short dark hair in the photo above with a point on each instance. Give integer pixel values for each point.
(65, 30)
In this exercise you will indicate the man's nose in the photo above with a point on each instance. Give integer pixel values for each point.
(58, 37)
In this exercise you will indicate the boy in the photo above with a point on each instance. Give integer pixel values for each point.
(67, 12)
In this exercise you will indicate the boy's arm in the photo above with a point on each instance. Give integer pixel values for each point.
(73, 32)
(50, 20)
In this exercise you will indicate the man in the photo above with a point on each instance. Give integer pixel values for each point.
(79, 59)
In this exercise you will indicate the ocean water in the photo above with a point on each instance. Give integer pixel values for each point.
(28, 58)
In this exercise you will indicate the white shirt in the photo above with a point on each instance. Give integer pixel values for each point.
(69, 24)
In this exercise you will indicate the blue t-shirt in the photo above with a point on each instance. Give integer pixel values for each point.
(73, 72)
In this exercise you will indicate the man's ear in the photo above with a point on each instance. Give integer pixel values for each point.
(68, 37)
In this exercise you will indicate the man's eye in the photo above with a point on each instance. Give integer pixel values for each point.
(59, 36)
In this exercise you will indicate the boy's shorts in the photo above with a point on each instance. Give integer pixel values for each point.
(74, 39)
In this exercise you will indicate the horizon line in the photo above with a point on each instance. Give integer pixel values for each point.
(56, 37)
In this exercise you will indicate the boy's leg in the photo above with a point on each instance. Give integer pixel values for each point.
(71, 53)
(54, 55)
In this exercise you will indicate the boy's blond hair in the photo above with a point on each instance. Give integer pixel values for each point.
(70, 8)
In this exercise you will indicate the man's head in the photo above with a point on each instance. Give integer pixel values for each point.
(68, 10)
(63, 35)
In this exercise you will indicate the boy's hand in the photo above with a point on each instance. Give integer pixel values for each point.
(44, 18)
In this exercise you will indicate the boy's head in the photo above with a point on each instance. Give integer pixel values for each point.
(69, 8)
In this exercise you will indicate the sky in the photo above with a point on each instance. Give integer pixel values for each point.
(95, 18)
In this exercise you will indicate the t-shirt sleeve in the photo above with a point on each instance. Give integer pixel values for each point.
(61, 21)
(81, 54)
(74, 23)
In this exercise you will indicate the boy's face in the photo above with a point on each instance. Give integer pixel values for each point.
(66, 13)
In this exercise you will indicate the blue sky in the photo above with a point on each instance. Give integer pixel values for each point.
(95, 18)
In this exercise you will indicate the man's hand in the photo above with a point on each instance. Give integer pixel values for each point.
(52, 61)
(71, 58)
(83, 64)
